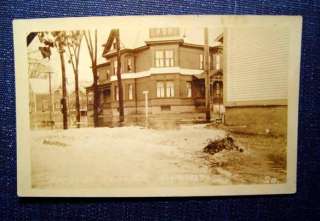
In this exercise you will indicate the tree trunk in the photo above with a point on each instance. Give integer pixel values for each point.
(76, 81)
(121, 109)
(64, 90)
(206, 71)
(95, 96)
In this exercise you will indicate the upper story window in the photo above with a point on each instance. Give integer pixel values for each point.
(104, 75)
(115, 66)
(159, 59)
(201, 62)
(164, 58)
(169, 58)
(189, 89)
(108, 74)
(218, 61)
(129, 64)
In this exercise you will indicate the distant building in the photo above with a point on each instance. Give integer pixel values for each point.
(45, 111)
(170, 69)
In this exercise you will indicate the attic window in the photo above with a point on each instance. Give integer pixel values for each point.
(114, 44)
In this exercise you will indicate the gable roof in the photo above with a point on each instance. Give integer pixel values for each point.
(111, 38)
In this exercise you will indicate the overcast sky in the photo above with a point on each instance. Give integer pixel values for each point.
(129, 37)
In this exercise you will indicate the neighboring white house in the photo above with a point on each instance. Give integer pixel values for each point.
(256, 69)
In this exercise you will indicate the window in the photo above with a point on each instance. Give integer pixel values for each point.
(160, 89)
(129, 64)
(90, 98)
(115, 66)
(130, 92)
(114, 44)
(218, 65)
(164, 58)
(103, 76)
(201, 61)
(116, 93)
(170, 89)
(45, 105)
(189, 89)
(218, 89)
(106, 94)
(169, 58)
(57, 105)
(159, 59)
(163, 32)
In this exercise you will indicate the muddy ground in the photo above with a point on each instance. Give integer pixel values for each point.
(137, 156)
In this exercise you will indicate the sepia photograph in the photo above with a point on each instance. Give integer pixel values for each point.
(157, 105)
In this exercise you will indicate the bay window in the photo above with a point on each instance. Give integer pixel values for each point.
(169, 58)
(160, 89)
(170, 89)
(164, 58)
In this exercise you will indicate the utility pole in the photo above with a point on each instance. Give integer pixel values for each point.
(207, 77)
(146, 106)
(51, 101)
(121, 111)
(64, 89)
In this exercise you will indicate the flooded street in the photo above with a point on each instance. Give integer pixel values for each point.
(123, 156)
(137, 156)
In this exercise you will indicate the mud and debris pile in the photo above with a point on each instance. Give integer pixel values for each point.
(226, 143)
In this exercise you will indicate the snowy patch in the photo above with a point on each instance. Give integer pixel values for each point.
(123, 156)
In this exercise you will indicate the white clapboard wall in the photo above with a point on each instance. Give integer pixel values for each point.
(257, 63)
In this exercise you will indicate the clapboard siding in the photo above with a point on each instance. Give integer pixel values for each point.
(257, 63)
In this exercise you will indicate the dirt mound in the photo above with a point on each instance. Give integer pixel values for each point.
(216, 146)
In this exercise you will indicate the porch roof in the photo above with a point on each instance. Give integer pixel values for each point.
(159, 71)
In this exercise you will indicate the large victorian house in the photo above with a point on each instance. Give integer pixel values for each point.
(169, 69)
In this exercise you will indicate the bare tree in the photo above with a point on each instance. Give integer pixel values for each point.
(74, 39)
(92, 48)
(57, 39)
